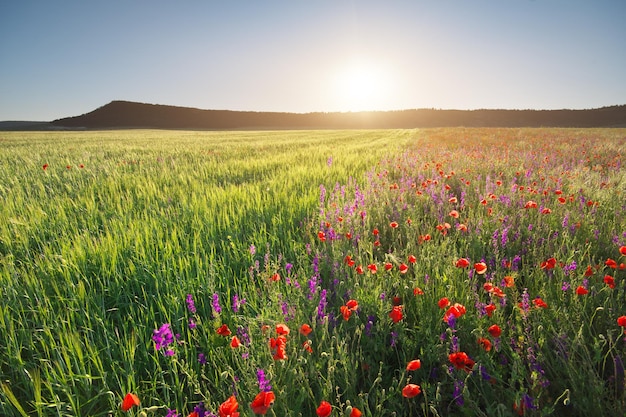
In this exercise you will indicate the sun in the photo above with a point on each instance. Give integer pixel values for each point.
(361, 86)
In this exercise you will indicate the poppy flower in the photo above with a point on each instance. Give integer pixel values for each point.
(282, 329)
(454, 214)
(412, 259)
(359, 269)
(223, 330)
(484, 343)
(621, 321)
(509, 281)
(372, 268)
(321, 236)
(262, 402)
(418, 291)
(393, 225)
(352, 304)
(349, 261)
(460, 360)
(45, 166)
(548, 264)
(539, 303)
(355, 412)
(345, 312)
(480, 268)
(388, 266)
(414, 365)
(462, 263)
(305, 329)
(278, 347)
(375, 232)
(229, 407)
(581, 290)
(610, 263)
(489, 309)
(530, 204)
(622, 250)
(453, 200)
(235, 342)
(411, 390)
(610, 281)
(130, 400)
(276, 277)
(494, 330)
(443, 302)
(424, 238)
(403, 268)
(461, 227)
(324, 409)
(396, 314)
(307, 346)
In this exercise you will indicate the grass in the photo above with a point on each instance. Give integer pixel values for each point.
(125, 231)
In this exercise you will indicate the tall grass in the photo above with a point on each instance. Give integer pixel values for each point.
(125, 232)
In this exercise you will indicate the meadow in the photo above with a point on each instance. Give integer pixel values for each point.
(434, 272)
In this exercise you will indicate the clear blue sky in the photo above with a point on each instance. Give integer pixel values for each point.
(65, 58)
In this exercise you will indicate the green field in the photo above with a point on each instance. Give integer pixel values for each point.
(109, 239)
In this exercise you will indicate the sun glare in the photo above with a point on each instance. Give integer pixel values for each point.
(361, 87)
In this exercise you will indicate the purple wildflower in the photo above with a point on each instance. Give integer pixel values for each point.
(458, 392)
(216, 303)
(264, 384)
(190, 304)
(163, 337)
(201, 359)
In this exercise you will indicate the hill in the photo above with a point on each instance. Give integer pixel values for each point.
(126, 114)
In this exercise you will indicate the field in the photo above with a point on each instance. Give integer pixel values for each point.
(425, 272)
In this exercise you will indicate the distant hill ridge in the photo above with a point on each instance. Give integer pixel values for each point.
(127, 114)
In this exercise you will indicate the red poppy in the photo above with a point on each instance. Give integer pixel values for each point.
(262, 402)
(396, 314)
(460, 360)
(277, 346)
(359, 269)
(539, 303)
(418, 291)
(411, 390)
(610, 281)
(372, 268)
(461, 227)
(581, 290)
(414, 365)
(610, 263)
(229, 407)
(489, 309)
(443, 302)
(324, 409)
(305, 330)
(454, 214)
(462, 263)
(194, 414)
(130, 401)
(622, 250)
(307, 346)
(352, 304)
(276, 277)
(235, 342)
(412, 259)
(393, 225)
(509, 281)
(45, 166)
(452, 200)
(349, 261)
(530, 204)
(484, 343)
(388, 266)
(375, 232)
(403, 268)
(345, 312)
(589, 271)
(548, 264)
(282, 329)
(355, 412)
(81, 166)
(322, 236)
(68, 167)
(223, 330)
(621, 321)
(494, 330)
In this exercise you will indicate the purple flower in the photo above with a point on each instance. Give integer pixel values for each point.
(237, 303)
(171, 413)
(252, 249)
(190, 304)
(201, 359)
(288, 267)
(163, 337)
(192, 323)
(394, 339)
(264, 384)
(216, 303)
(565, 286)
(458, 392)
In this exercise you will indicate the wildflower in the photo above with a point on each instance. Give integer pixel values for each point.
(411, 390)
(201, 359)
(355, 412)
(548, 264)
(443, 302)
(494, 330)
(396, 314)
(581, 290)
(621, 321)
(349, 261)
(489, 309)
(610, 263)
(359, 270)
(454, 214)
(45, 166)
(372, 268)
(162, 338)
(130, 400)
(462, 263)
(235, 342)
(460, 360)
(305, 330)
(393, 225)
(412, 259)
(530, 204)
(414, 365)
(461, 227)
(610, 281)
(282, 329)
(418, 291)
(229, 407)
(223, 330)
(403, 268)
(456, 311)
(264, 384)
(484, 343)
(262, 402)
(622, 250)
(539, 303)
(307, 346)
(588, 271)
(509, 281)
(278, 347)
(216, 303)
(388, 266)
(275, 277)
(324, 409)
(322, 236)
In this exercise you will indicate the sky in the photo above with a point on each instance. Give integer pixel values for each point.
(66, 58)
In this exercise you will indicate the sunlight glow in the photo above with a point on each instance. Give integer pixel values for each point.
(362, 86)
